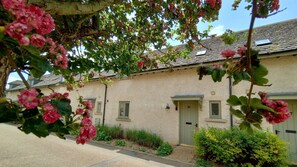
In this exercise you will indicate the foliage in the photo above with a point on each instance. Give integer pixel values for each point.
(120, 143)
(202, 163)
(237, 148)
(107, 133)
(144, 138)
(165, 149)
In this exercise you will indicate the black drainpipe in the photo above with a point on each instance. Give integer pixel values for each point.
(104, 105)
(230, 94)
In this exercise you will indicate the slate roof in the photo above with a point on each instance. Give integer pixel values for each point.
(283, 37)
(45, 80)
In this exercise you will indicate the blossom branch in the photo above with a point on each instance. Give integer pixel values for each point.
(14, 66)
(249, 52)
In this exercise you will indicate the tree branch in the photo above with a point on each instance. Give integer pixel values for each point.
(72, 8)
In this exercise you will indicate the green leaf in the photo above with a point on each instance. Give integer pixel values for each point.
(237, 113)
(244, 125)
(233, 101)
(237, 76)
(36, 126)
(259, 74)
(39, 66)
(63, 106)
(257, 125)
(256, 117)
(32, 50)
(7, 114)
(217, 75)
(257, 104)
(243, 100)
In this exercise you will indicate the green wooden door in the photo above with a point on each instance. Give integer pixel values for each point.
(288, 131)
(188, 121)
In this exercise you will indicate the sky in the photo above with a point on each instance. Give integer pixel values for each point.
(236, 20)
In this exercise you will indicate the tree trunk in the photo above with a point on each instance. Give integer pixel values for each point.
(5, 69)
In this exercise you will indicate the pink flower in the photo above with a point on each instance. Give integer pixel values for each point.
(24, 41)
(30, 15)
(211, 3)
(228, 53)
(28, 98)
(140, 64)
(37, 40)
(88, 104)
(44, 99)
(241, 51)
(61, 57)
(56, 95)
(86, 134)
(86, 122)
(47, 24)
(281, 111)
(12, 5)
(79, 111)
(274, 5)
(50, 115)
(66, 94)
(17, 30)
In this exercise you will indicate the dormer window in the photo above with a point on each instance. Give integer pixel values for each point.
(262, 42)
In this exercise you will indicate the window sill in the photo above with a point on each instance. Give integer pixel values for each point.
(216, 120)
(124, 119)
(98, 113)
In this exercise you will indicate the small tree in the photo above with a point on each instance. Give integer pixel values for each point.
(37, 35)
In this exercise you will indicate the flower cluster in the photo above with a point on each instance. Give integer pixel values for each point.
(264, 7)
(46, 107)
(87, 130)
(213, 3)
(28, 18)
(280, 107)
(28, 98)
(29, 27)
(50, 115)
(31, 99)
(228, 53)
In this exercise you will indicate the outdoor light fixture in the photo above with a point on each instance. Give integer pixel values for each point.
(167, 106)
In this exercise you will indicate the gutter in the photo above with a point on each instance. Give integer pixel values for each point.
(230, 94)
(104, 104)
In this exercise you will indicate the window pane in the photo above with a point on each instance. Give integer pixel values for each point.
(215, 109)
(98, 107)
(124, 109)
(127, 109)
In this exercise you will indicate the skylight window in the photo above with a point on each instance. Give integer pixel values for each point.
(262, 42)
(201, 52)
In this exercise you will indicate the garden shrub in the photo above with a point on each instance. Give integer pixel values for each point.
(165, 149)
(239, 148)
(120, 143)
(144, 138)
(107, 133)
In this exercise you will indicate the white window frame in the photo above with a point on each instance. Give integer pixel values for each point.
(211, 116)
(121, 103)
